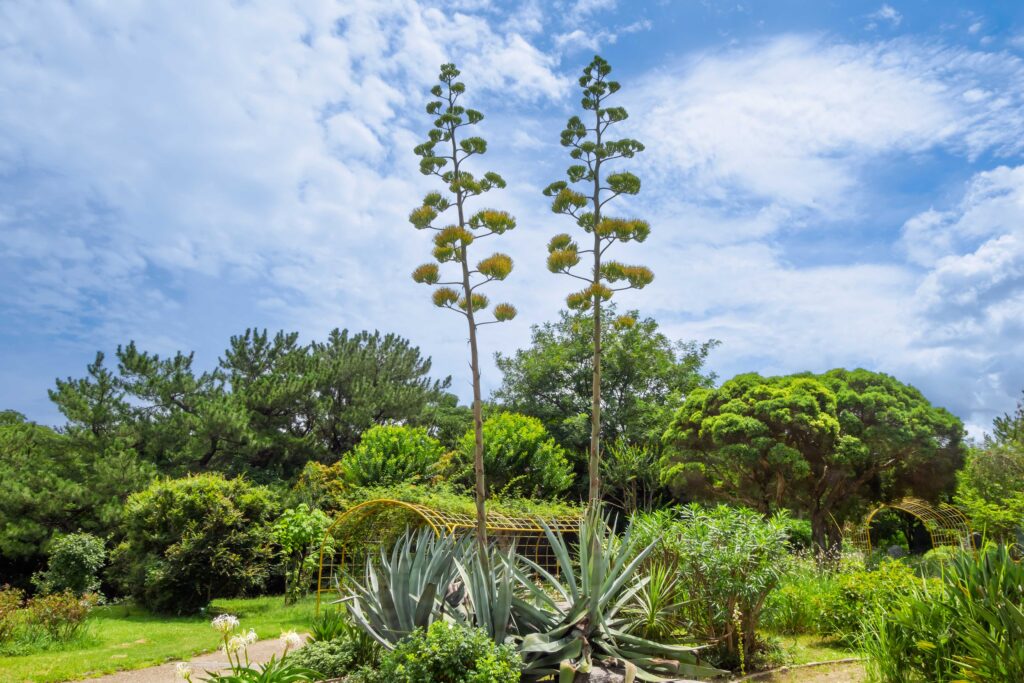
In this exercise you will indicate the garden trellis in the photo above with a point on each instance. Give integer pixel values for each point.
(945, 524)
(368, 526)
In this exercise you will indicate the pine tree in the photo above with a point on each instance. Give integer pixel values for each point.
(444, 155)
(591, 147)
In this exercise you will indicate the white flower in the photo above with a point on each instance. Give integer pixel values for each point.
(225, 623)
(291, 639)
(183, 671)
(236, 643)
(251, 637)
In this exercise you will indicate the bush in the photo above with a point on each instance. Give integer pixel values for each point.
(61, 615)
(799, 531)
(188, 541)
(854, 597)
(520, 458)
(731, 559)
(796, 606)
(74, 564)
(450, 654)
(392, 454)
(10, 603)
(299, 533)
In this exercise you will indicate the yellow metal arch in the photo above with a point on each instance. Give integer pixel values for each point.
(946, 525)
(527, 532)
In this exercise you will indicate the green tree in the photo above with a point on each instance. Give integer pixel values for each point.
(520, 457)
(188, 541)
(53, 484)
(591, 146)
(991, 485)
(451, 242)
(273, 392)
(368, 378)
(269, 407)
(95, 405)
(1008, 429)
(822, 446)
(645, 378)
(392, 454)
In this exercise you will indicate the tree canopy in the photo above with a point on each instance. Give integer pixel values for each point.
(269, 406)
(822, 446)
(991, 484)
(646, 377)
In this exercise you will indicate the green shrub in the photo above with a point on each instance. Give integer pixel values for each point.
(392, 454)
(520, 458)
(730, 560)
(799, 532)
(188, 541)
(796, 606)
(299, 533)
(10, 602)
(330, 658)
(61, 615)
(333, 625)
(74, 564)
(450, 654)
(854, 597)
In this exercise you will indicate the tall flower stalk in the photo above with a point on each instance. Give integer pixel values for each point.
(593, 149)
(444, 155)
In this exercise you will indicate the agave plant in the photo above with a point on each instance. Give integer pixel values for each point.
(410, 589)
(577, 618)
(489, 592)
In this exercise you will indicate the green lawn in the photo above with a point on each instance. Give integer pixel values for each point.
(810, 648)
(122, 637)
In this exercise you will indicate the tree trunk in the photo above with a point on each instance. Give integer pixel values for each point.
(819, 530)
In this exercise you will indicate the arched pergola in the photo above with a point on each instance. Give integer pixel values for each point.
(376, 523)
(945, 524)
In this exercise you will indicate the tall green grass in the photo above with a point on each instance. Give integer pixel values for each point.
(970, 627)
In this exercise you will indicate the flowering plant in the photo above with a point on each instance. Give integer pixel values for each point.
(236, 648)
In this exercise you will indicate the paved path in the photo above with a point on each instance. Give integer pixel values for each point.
(259, 652)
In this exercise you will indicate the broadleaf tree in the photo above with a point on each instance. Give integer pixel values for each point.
(823, 446)
(592, 150)
(444, 155)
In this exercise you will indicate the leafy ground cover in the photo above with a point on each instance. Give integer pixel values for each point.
(122, 637)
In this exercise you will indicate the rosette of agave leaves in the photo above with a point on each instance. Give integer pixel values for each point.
(563, 622)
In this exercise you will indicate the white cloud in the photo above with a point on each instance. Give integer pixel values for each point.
(796, 120)
(286, 137)
(584, 7)
(886, 13)
(969, 305)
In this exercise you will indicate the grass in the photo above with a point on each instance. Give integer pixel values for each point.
(122, 637)
(804, 649)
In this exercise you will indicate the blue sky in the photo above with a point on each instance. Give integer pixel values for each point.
(829, 183)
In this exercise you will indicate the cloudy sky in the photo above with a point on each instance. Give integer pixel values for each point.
(828, 183)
